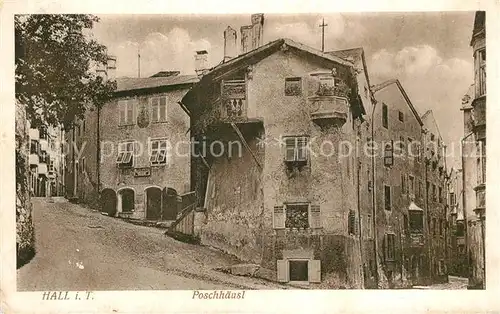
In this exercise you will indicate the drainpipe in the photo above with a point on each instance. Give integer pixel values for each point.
(374, 203)
(464, 201)
(98, 148)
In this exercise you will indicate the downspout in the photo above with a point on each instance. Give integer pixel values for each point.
(464, 201)
(374, 203)
(98, 148)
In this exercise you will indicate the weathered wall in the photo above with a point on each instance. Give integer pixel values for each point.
(394, 273)
(25, 233)
(174, 175)
(476, 253)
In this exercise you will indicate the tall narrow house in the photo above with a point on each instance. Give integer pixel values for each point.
(474, 158)
(275, 165)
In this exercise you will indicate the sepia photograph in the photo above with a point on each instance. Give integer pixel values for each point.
(222, 153)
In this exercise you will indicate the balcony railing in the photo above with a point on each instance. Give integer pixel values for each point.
(233, 100)
(329, 107)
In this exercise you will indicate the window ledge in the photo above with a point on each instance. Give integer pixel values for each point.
(159, 122)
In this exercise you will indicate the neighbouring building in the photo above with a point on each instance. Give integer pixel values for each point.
(457, 257)
(474, 158)
(131, 157)
(46, 161)
(436, 200)
(399, 188)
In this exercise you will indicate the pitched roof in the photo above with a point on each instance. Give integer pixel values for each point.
(134, 83)
(258, 54)
(357, 54)
(378, 87)
(430, 115)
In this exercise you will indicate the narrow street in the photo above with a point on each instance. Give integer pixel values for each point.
(80, 249)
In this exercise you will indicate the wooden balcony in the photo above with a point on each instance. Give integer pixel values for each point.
(233, 101)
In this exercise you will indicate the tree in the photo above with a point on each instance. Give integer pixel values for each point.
(56, 81)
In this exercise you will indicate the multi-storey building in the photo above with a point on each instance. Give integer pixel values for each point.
(46, 161)
(275, 189)
(131, 157)
(398, 188)
(436, 200)
(474, 158)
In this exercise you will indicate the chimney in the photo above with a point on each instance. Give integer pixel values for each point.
(252, 36)
(111, 68)
(229, 44)
(201, 62)
(258, 30)
(246, 37)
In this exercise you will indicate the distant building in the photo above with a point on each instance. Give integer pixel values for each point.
(474, 158)
(46, 161)
(457, 257)
(399, 188)
(436, 202)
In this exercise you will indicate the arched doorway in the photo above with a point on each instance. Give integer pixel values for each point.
(153, 203)
(169, 204)
(108, 202)
(126, 200)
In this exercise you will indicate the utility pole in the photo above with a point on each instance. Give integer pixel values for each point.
(323, 25)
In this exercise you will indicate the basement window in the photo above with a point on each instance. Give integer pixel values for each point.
(298, 270)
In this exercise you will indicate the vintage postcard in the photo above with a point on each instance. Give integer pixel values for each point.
(248, 160)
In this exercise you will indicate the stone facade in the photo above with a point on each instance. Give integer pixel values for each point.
(127, 189)
(474, 158)
(25, 233)
(249, 199)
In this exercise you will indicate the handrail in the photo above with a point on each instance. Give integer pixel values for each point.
(184, 212)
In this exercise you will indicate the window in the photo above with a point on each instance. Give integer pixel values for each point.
(416, 221)
(159, 109)
(293, 86)
(388, 154)
(51, 165)
(296, 149)
(351, 223)
(369, 226)
(385, 116)
(126, 112)
(158, 152)
(411, 184)
(125, 154)
(403, 183)
(401, 145)
(405, 224)
(83, 164)
(43, 133)
(481, 86)
(441, 227)
(434, 226)
(298, 270)
(460, 229)
(84, 125)
(297, 216)
(481, 163)
(417, 152)
(34, 147)
(452, 199)
(434, 192)
(390, 246)
(127, 200)
(401, 116)
(440, 195)
(387, 198)
(432, 137)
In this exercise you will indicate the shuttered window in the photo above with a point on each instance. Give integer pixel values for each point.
(278, 217)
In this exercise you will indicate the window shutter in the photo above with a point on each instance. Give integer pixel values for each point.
(315, 221)
(314, 270)
(279, 217)
(282, 270)
(384, 247)
(290, 149)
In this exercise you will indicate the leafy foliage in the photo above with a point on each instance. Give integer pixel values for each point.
(55, 60)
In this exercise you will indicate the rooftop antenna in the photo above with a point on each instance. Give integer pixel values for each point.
(323, 25)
